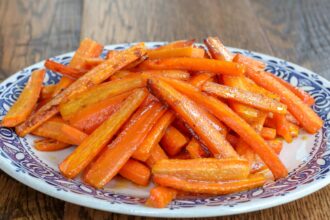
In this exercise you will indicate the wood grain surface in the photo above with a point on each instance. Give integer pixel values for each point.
(32, 30)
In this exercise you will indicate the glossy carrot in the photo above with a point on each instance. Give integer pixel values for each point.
(136, 172)
(85, 82)
(249, 98)
(176, 52)
(217, 50)
(91, 146)
(155, 135)
(60, 131)
(122, 148)
(199, 79)
(47, 92)
(259, 122)
(63, 69)
(160, 197)
(294, 129)
(62, 85)
(268, 133)
(236, 123)
(92, 116)
(194, 116)
(194, 64)
(47, 144)
(203, 169)
(91, 62)
(173, 141)
(177, 44)
(248, 61)
(176, 74)
(208, 187)
(232, 139)
(245, 151)
(156, 154)
(99, 93)
(276, 145)
(26, 101)
(195, 149)
(283, 127)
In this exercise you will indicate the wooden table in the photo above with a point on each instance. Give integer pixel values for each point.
(32, 30)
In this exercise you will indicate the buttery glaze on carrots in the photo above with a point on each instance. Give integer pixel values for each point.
(197, 120)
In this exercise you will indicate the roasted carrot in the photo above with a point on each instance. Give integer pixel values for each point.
(194, 64)
(217, 50)
(236, 123)
(99, 93)
(292, 119)
(252, 99)
(92, 145)
(176, 74)
(136, 172)
(268, 133)
(155, 135)
(91, 78)
(259, 122)
(248, 61)
(194, 116)
(195, 149)
(294, 129)
(92, 116)
(245, 151)
(25, 103)
(199, 79)
(177, 44)
(283, 127)
(60, 131)
(232, 139)
(47, 92)
(276, 145)
(173, 141)
(203, 169)
(156, 154)
(61, 85)
(122, 148)
(91, 62)
(47, 144)
(160, 197)
(208, 187)
(63, 69)
(176, 52)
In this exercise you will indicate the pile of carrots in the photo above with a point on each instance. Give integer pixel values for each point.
(194, 120)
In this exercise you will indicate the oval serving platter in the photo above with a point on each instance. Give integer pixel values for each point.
(307, 158)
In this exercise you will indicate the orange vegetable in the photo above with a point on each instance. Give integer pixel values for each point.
(155, 135)
(194, 64)
(122, 148)
(176, 52)
(294, 129)
(177, 44)
(199, 79)
(47, 91)
(236, 123)
(46, 144)
(176, 74)
(248, 61)
(160, 197)
(156, 154)
(63, 69)
(173, 141)
(195, 150)
(217, 50)
(56, 129)
(268, 133)
(26, 102)
(283, 127)
(85, 82)
(62, 85)
(276, 145)
(91, 146)
(194, 116)
(92, 116)
(91, 62)
(136, 172)
(249, 98)
(232, 139)
(203, 169)
(215, 188)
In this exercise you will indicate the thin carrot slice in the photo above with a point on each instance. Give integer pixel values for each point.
(25, 103)
(136, 172)
(90, 147)
(194, 116)
(217, 50)
(122, 148)
(203, 169)
(176, 52)
(215, 188)
(177, 44)
(252, 99)
(194, 64)
(60, 131)
(173, 141)
(195, 150)
(155, 135)
(268, 133)
(236, 123)
(160, 197)
(283, 127)
(156, 154)
(47, 144)
(199, 79)
(63, 69)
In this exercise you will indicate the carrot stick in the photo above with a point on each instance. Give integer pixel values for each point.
(46, 144)
(173, 141)
(193, 64)
(160, 197)
(282, 127)
(294, 129)
(122, 148)
(236, 123)
(217, 50)
(47, 92)
(136, 172)
(243, 149)
(176, 52)
(92, 116)
(177, 44)
(215, 188)
(63, 69)
(85, 82)
(91, 62)
(61, 85)
(157, 132)
(276, 145)
(99, 93)
(194, 116)
(232, 139)
(25, 103)
(156, 154)
(268, 133)
(176, 74)
(253, 87)
(58, 130)
(252, 99)
(92, 145)
(203, 169)
(250, 62)
(199, 79)
(292, 119)
(195, 150)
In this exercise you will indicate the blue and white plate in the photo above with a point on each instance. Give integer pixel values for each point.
(307, 158)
